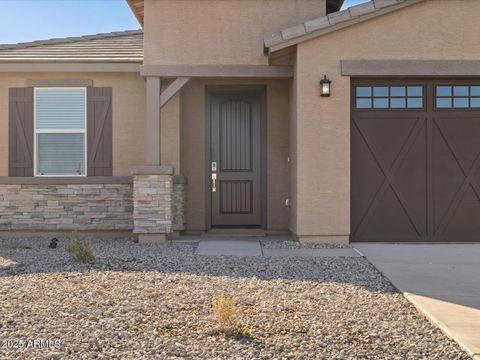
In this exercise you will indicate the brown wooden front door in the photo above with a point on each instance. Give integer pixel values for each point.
(415, 160)
(236, 157)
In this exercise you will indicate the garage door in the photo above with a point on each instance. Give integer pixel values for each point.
(415, 160)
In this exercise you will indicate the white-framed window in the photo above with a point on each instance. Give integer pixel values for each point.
(60, 126)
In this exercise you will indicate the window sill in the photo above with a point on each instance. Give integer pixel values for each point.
(61, 180)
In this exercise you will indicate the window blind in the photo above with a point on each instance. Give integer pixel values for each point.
(60, 108)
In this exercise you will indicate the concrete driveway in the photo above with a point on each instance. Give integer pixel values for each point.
(442, 281)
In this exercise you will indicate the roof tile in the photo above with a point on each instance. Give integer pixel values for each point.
(339, 16)
(362, 9)
(293, 32)
(126, 46)
(317, 23)
(384, 3)
(273, 39)
(325, 24)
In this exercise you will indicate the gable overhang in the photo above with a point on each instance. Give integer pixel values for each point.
(138, 9)
(333, 22)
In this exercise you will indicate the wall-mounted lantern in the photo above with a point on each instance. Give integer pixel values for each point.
(325, 86)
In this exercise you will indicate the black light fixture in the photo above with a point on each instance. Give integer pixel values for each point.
(325, 86)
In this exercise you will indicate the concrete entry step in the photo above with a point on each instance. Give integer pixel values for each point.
(229, 247)
(234, 233)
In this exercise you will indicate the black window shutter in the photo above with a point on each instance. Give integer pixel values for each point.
(20, 132)
(99, 131)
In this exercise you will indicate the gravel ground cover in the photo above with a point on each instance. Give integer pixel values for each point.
(154, 302)
(291, 244)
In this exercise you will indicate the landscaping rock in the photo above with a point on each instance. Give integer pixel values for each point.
(154, 302)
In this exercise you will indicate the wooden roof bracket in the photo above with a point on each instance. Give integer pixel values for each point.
(172, 90)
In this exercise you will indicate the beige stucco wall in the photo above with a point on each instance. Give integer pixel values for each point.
(128, 112)
(434, 29)
(193, 150)
(218, 31)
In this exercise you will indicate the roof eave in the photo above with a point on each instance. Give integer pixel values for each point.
(70, 67)
(70, 61)
(69, 40)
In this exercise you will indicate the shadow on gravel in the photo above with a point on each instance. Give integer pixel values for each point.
(157, 300)
(27, 256)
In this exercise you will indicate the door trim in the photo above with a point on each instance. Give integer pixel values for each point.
(210, 91)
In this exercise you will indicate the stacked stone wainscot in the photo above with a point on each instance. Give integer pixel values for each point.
(144, 204)
(103, 203)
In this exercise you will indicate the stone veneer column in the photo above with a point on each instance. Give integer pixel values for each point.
(152, 203)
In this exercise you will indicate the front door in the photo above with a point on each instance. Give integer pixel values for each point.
(236, 157)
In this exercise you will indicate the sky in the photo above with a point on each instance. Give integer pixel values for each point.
(348, 3)
(28, 20)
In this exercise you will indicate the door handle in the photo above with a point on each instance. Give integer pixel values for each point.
(214, 182)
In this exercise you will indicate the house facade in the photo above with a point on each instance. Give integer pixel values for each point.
(214, 116)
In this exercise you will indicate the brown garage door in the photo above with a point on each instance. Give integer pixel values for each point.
(415, 160)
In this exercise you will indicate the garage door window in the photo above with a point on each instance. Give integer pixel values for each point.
(457, 97)
(389, 97)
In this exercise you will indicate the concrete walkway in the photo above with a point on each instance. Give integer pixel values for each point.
(230, 247)
(442, 281)
(250, 246)
(347, 252)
